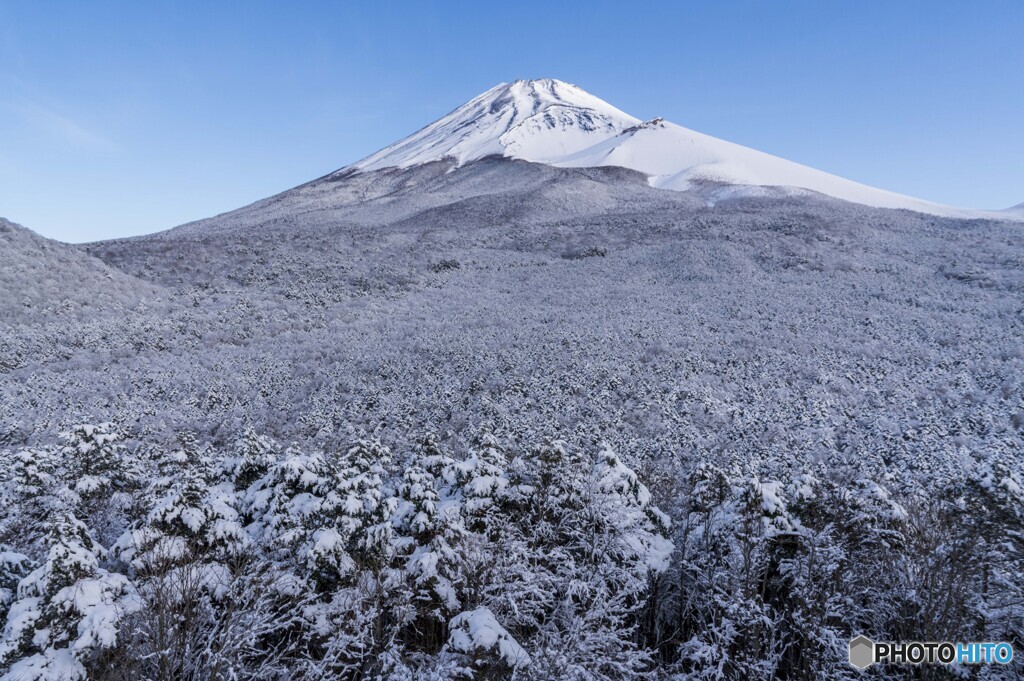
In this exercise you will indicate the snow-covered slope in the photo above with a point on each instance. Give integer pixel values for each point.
(552, 122)
(534, 120)
(675, 157)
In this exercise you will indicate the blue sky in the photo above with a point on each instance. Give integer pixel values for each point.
(127, 118)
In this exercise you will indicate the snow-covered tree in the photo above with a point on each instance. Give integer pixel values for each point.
(637, 527)
(330, 525)
(482, 480)
(431, 547)
(14, 567)
(31, 493)
(609, 549)
(297, 509)
(533, 562)
(189, 521)
(436, 461)
(988, 509)
(726, 628)
(94, 461)
(67, 611)
(253, 456)
(571, 574)
(367, 506)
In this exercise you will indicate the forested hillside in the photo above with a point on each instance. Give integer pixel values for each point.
(512, 421)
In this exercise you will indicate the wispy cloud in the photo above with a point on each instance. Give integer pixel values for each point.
(60, 126)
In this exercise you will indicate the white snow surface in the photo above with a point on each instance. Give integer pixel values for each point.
(552, 122)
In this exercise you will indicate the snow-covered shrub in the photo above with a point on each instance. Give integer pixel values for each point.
(477, 634)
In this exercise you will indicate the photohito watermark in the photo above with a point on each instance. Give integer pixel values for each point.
(864, 652)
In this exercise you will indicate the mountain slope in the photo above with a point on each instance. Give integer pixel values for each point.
(42, 279)
(555, 123)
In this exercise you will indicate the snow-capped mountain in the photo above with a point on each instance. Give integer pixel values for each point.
(544, 121)
(462, 348)
(552, 122)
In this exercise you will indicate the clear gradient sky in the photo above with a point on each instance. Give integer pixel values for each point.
(127, 118)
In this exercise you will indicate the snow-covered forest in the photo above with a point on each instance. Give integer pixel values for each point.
(546, 561)
(511, 422)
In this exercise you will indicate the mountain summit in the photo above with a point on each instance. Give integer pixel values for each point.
(559, 124)
(535, 120)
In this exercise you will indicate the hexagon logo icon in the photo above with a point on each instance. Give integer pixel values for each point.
(862, 652)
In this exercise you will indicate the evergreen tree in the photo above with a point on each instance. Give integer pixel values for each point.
(68, 610)
(94, 461)
(254, 455)
(482, 481)
(431, 548)
(990, 509)
(489, 647)
(297, 510)
(437, 462)
(188, 522)
(31, 493)
(14, 567)
(367, 507)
